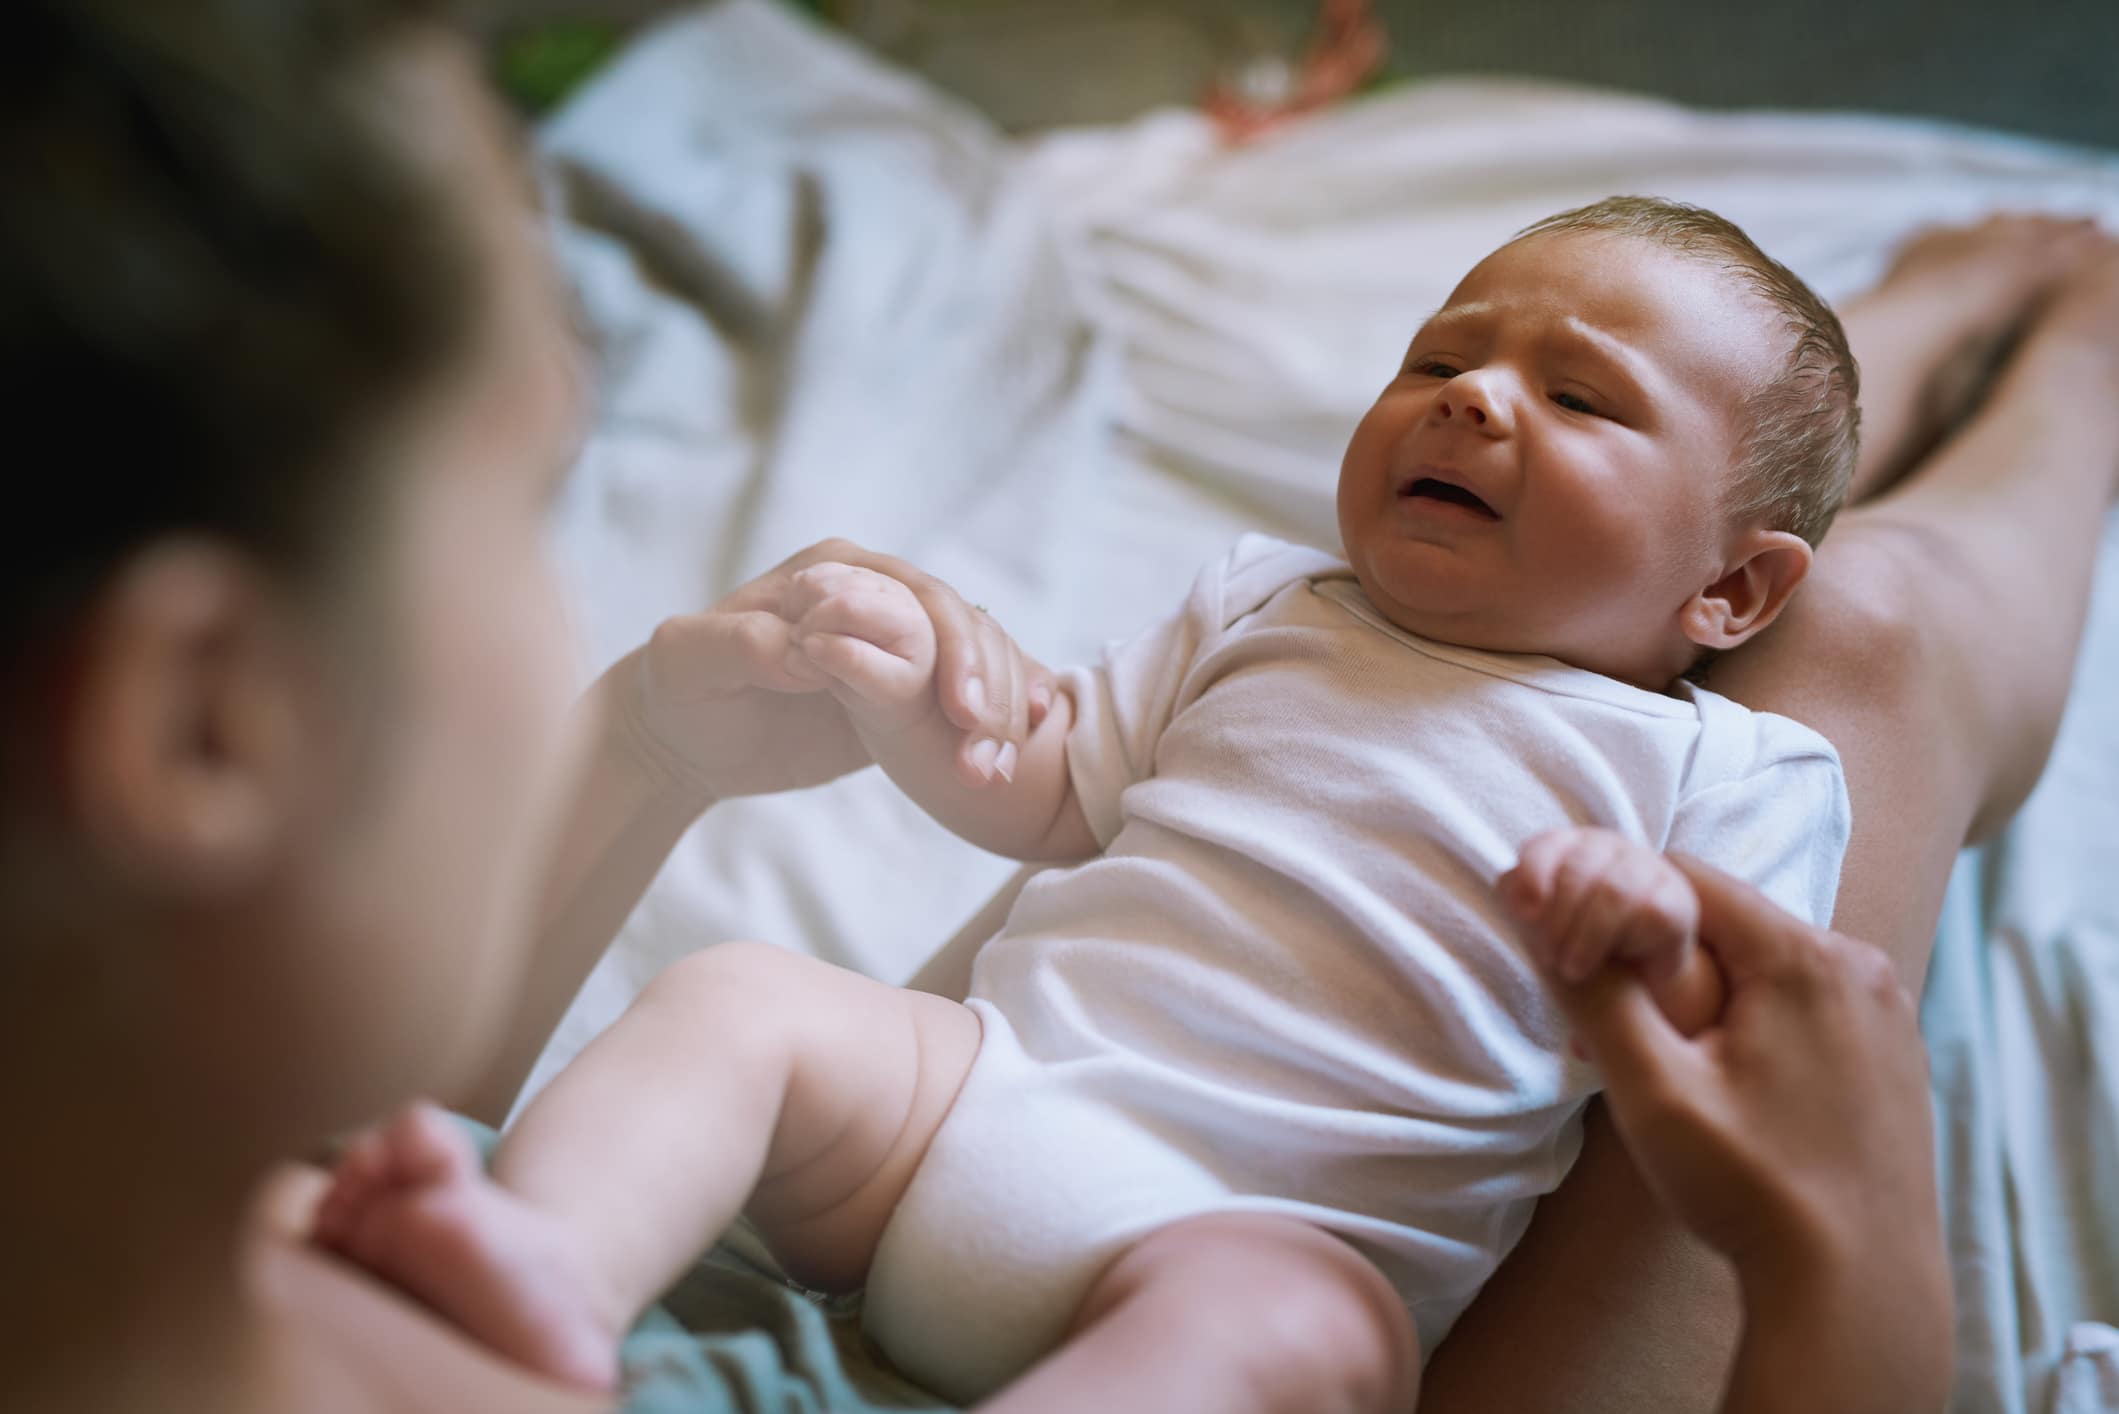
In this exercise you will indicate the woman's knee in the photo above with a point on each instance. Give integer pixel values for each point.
(1870, 603)
(1992, 655)
(1311, 1322)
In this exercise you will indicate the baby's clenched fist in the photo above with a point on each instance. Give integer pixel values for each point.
(1588, 898)
(865, 636)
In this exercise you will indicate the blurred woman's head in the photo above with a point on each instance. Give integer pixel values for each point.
(282, 680)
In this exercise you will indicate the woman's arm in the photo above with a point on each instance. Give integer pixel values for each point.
(1854, 1335)
(630, 808)
(707, 710)
(1793, 1135)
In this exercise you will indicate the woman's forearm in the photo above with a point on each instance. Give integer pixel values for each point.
(628, 813)
(1871, 1337)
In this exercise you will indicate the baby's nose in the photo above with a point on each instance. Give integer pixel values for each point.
(1446, 409)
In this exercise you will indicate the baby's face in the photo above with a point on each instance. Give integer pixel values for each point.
(1547, 472)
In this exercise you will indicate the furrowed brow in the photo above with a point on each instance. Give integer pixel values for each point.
(1453, 316)
(1615, 353)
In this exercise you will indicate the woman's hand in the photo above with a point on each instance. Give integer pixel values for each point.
(718, 702)
(1800, 1121)
(1794, 1135)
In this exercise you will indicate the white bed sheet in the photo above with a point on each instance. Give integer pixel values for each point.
(2022, 1019)
(1063, 373)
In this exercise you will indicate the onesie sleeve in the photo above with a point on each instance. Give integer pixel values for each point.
(1123, 702)
(1767, 802)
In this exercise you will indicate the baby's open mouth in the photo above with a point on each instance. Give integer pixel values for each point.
(1429, 488)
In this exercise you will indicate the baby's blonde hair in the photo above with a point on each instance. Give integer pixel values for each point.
(1792, 468)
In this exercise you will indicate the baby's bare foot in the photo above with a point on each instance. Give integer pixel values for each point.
(412, 1204)
(1958, 297)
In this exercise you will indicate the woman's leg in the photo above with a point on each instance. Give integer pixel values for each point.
(1936, 640)
(1930, 335)
(1236, 1313)
(1933, 646)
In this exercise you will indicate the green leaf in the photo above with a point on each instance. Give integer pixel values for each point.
(541, 64)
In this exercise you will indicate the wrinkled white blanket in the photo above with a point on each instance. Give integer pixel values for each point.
(1065, 373)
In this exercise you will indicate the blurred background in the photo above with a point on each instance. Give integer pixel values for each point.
(2047, 67)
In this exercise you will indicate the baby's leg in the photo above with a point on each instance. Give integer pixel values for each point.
(1228, 1314)
(744, 1073)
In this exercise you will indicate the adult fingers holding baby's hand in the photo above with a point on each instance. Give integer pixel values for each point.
(709, 701)
(1796, 1127)
(1652, 916)
(985, 684)
(717, 701)
(990, 688)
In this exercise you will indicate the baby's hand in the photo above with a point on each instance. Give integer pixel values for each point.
(865, 636)
(1589, 898)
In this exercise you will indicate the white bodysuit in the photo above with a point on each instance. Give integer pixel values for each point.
(1285, 985)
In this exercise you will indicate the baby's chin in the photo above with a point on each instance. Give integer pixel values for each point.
(1416, 588)
(1422, 590)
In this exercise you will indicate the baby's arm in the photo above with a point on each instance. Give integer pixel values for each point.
(1586, 897)
(866, 636)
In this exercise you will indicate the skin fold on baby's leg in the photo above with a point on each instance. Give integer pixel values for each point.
(744, 1075)
(1231, 1313)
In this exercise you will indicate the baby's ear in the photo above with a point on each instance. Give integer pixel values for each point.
(1767, 566)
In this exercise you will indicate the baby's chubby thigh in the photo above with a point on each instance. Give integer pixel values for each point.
(865, 1073)
(1237, 1311)
(1036, 1192)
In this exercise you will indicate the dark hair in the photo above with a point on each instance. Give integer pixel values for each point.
(1804, 421)
(218, 270)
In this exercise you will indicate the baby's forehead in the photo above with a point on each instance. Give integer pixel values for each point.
(1604, 278)
(1693, 317)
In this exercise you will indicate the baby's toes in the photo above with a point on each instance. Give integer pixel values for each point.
(363, 1163)
(333, 1218)
(361, 1171)
(426, 1147)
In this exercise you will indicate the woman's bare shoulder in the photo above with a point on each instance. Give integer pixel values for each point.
(369, 1349)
